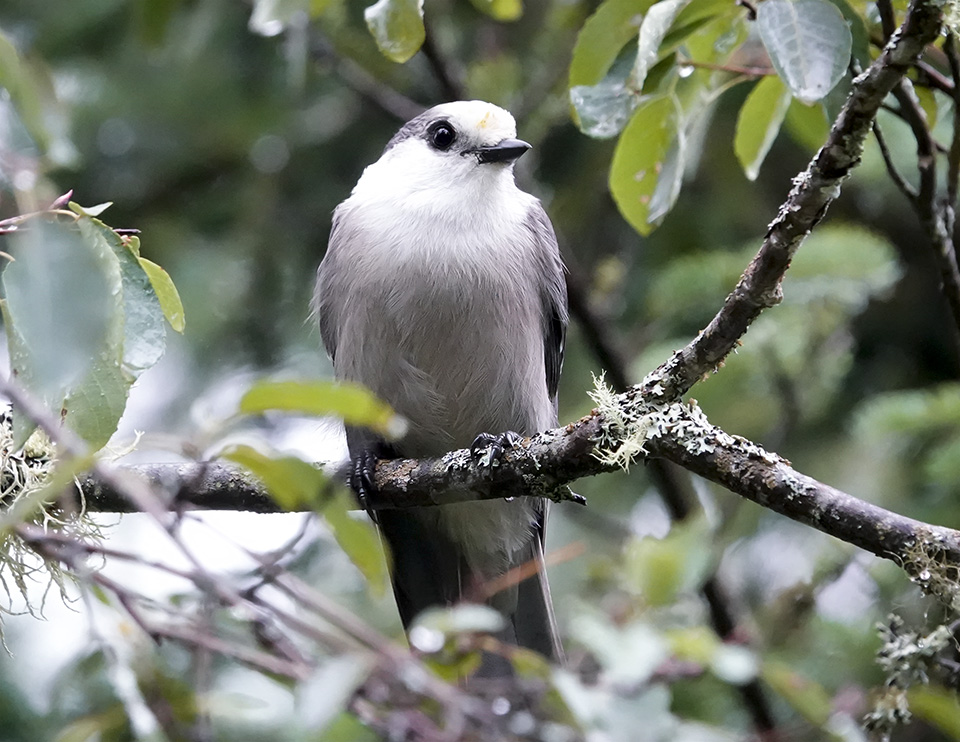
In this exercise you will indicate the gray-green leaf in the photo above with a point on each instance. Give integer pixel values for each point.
(641, 156)
(654, 27)
(63, 297)
(397, 27)
(809, 44)
(759, 122)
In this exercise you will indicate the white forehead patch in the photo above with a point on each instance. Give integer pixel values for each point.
(484, 120)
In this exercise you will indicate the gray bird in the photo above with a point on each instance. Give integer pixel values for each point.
(442, 291)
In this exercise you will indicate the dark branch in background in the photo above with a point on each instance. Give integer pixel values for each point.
(596, 331)
(953, 166)
(898, 180)
(936, 216)
(813, 192)
(359, 80)
(673, 485)
(445, 72)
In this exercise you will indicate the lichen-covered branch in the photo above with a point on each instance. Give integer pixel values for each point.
(603, 441)
(812, 193)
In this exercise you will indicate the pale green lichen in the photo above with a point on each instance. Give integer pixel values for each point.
(23, 475)
(630, 423)
(907, 658)
(929, 566)
(626, 427)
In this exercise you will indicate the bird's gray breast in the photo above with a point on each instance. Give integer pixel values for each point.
(453, 342)
(444, 323)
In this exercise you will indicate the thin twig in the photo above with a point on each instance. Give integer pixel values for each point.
(888, 20)
(899, 181)
(953, 159)
(361, 81)
(750, 72)
(935, 219)
(451, 87)
(934, 78)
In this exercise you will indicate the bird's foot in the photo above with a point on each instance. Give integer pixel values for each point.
(487, 449)
(362, 481)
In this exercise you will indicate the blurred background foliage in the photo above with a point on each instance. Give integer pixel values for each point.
(227, 133)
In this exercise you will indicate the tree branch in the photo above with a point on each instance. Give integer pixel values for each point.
(812, 193)
(541, 466)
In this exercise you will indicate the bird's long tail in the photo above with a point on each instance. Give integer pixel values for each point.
(429, 570)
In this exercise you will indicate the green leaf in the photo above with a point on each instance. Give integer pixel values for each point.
(144, 338)
(167, 294)
(82, 321)
(292, 482)
(928, 102)
(62, 296)
(397, 27)
(669, 180)
(759, 122)
(65, 329)
(297, 485)
(602, 37)
(358, 538)
(639, 159)
(660, 569)
(712, 39)
(500, 10)
(809, 44)
(858, 30)
(93, 211)
(936, 706)
(807, 697)
(602, 110)
(653, 29)
(808, 124)
(21, 368)
(695, 12)
(93, 407)
(353, 403)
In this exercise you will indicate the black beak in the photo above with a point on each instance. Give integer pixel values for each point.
(506, 151)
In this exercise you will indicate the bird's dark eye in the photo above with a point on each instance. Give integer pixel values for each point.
(442, 135)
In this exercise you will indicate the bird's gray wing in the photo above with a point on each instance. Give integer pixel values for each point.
(327, 301)
(553, 295)
(533, 620)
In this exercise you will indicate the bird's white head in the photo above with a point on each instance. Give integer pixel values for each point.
(450, 144)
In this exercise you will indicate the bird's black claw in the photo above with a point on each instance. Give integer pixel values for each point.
(362, 480)
(487, 449)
